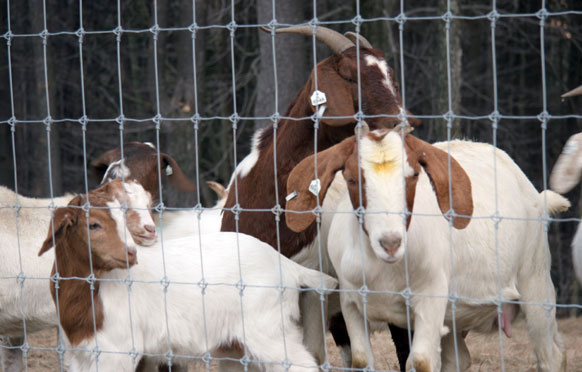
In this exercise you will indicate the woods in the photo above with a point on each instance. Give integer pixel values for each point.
(173, 75)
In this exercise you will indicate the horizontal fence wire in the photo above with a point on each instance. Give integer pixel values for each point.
(246, 361)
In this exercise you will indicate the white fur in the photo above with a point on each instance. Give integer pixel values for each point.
(521, 246)
(268, 316)
(565, 175)
(247, 164)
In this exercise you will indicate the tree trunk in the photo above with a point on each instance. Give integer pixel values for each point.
(292, 53)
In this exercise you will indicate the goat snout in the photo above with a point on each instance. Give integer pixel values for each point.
(150, 228)
(391, 243)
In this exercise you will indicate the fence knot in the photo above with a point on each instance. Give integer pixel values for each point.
(275, 119)
(325, 367)
(83, 120)
(80, 33)
(240, 285)
(277, 211)
(314, 22)
(401, 19)
(47, 122)
(232, 26)
(493, 16)
(155, 29)
(359, 116)
(495, 117)
(234, 119)
(357, 20)
(118, 31)
(449, 116)
(165, 283)
(160, 207)
(544, 117)
(542, 14)
(20, 279)
(195, 119)
(360, 212)
(364, 291)
(8, 36)
(203, 284)
(44, 36)
(120, 120)
(448, 17)
(273, 25)
(91, 281)
(193, 28)
(12, 123)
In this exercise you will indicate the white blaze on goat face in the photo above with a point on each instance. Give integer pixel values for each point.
(117, 169)
(116, 212)
(385, 166)
(387, 81)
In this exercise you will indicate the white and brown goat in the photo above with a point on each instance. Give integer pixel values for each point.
(488, 264)
(217, 293)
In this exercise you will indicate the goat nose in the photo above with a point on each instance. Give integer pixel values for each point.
(391, 243)
(150, 228)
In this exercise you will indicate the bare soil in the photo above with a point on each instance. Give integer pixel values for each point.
(485, 350)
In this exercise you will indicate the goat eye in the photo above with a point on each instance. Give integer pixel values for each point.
(348, 79)
(94, 226)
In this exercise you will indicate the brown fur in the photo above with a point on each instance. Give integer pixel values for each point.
(344, 156)
(337, 77)
(142, 161)
(78, 317)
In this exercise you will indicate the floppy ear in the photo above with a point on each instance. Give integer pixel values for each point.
(435, 164)
(64, 218)
(567, 170)
(328, 163)
(340, 101)
(177, 178)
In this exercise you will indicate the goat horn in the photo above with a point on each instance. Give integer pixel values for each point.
(333, 39)
(573, 92)
(363, 41)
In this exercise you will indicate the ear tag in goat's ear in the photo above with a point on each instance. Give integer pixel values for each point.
(169, 170)
(291, 196)
(570, 148)
(315, 187)
(318, 98)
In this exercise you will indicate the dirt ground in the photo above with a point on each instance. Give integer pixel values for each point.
(484, 349)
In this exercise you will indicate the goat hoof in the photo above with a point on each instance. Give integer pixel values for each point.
(359, 361)
(421, 363)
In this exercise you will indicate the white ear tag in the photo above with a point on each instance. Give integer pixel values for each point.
(315, 187)
(318, 98)
(291, 196)
(169, 170)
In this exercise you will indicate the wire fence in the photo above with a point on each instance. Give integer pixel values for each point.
(364, 295)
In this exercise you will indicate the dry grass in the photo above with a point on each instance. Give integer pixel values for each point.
(518, 355)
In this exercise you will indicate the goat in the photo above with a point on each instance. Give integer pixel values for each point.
(337, 77)
(27, 307)
(565, 175)
(140, 162)
(466, 256)
(198, 311)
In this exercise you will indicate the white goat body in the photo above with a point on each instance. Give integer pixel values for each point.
(480, 264)
(199, 322)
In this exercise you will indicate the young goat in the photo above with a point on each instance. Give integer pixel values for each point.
(481, 260)
(337, 77)
(224, 295)
(29, 308)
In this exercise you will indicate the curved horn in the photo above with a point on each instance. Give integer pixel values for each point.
(333, 39)
(573, 92)
(363, 41)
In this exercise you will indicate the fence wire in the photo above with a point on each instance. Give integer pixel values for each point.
(246, 362)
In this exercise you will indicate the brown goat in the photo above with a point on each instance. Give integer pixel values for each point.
(140, 162)
(337, 77)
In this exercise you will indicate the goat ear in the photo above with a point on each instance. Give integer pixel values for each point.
(338, 92)
(63, 219)
(568, 169)
(328, 163)
(435, 164)
(177, 178)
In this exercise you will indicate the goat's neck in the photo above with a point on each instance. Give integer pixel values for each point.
(76, 299)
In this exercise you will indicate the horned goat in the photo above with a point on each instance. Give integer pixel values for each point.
(337, 77)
